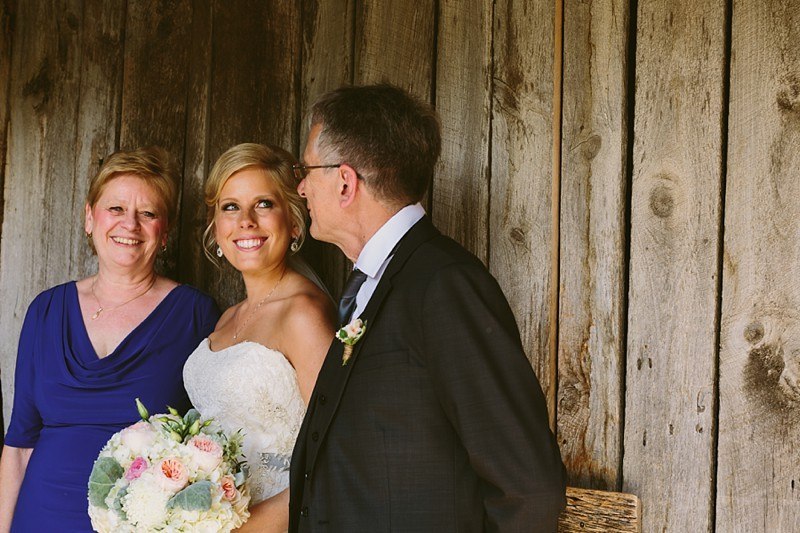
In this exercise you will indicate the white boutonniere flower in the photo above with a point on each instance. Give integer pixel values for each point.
(349, 335)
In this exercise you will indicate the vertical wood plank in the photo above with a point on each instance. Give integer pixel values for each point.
(520, 217)
(155, 85)
(394, 44)
(193, 267)
(675, 204)
(463, 100)
(98, 110)
(759, 426)
(253, 95)
(40, 167)
(7, 11)
(328, 33)
(593, 258)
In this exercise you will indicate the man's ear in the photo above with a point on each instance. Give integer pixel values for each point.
(349, 185)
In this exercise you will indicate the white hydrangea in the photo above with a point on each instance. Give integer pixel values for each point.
(146, 503)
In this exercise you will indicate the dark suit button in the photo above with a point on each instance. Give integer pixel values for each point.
(322, 399)
(304, 511)
(315, 436)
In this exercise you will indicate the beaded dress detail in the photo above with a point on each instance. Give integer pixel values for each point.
(254, 388)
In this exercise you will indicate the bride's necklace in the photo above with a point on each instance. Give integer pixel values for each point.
(238, 330)
(101, 308)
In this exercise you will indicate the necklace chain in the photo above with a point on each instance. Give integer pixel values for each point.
(238, 330)
(101, 308)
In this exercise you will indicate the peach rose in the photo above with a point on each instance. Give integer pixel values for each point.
(228, 488)
(171, 475)
(205, 452)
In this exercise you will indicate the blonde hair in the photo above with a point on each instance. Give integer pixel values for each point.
(276, 163)
(152, 165)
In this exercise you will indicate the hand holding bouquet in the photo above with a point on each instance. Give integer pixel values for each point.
(169, 473)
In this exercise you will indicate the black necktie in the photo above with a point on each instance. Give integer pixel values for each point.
(348, 302)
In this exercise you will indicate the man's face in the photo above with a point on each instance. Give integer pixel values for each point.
(320, 189)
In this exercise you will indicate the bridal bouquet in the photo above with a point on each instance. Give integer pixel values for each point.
(169, 473)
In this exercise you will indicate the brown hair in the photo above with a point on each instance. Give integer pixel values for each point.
(152, 165)
(276, 162)
(389, 137)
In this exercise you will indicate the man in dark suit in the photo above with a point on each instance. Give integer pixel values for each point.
(433, 421)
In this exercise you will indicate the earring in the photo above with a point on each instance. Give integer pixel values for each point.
(164, 248)
(294, 246)
(219, 251)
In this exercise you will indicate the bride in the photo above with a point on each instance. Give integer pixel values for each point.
(257, 369)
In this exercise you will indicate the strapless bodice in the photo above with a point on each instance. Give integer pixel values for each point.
(254, 388)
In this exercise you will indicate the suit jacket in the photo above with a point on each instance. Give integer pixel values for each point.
(437, 423)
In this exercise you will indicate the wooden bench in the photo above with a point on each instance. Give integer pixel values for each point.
(600, 511)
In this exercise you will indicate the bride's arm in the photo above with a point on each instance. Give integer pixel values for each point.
(307, 334)
(268, 516)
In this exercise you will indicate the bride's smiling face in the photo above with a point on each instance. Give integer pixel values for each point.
(253, 226)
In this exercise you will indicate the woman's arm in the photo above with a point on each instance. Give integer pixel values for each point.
(270, 515)
(307, 334)
(13, 464)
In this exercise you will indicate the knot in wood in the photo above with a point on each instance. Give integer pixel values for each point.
(517, 235)
(788, 98)
(662, 202)
(753, 332)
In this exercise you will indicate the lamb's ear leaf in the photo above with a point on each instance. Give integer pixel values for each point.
(195, 497)
(105, 472)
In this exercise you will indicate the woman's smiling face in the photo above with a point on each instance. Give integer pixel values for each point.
(128, 223)
(252, 222)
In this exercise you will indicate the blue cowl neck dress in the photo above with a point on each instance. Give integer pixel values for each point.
(68, 402)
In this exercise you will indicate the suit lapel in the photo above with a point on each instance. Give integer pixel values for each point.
(334, 376)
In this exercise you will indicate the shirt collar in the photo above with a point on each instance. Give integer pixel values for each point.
(380, 246)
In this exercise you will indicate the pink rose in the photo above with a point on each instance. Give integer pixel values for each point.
(171, 475)
(138, 466)
(353, 328)
(138, 437)
(205, 452)
(228, 488)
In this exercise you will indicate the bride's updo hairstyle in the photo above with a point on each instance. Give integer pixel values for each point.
(276, 162)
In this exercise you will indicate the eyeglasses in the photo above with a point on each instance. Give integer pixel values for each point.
(301, 171)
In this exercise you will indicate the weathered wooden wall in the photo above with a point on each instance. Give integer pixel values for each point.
(627, 170)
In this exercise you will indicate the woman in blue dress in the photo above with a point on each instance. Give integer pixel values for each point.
(89, 348)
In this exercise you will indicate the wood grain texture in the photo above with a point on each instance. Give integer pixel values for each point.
(759, 421)
(7, 12)
(40, 176)
(157, 57)
(592, 243)
(98, 117)
(253, 95)
(675, 218)
(193, 267)
(463, 100)
(328, 34)
(520, 220)
(394, 43)
(596, 511)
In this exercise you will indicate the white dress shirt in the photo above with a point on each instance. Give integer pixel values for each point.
(375, 255)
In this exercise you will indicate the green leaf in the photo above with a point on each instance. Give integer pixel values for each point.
(195, 497)
(105, 472)
(116, 505)
(190, 417)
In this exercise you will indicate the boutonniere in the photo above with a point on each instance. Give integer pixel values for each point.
(349, 336)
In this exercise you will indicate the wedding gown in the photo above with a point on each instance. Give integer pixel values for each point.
(254, 388)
